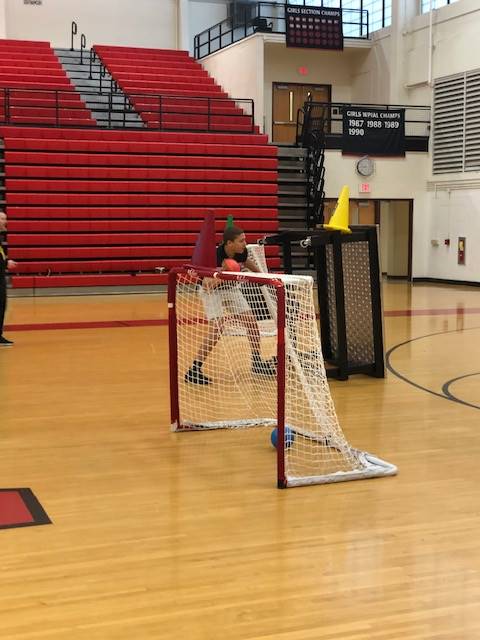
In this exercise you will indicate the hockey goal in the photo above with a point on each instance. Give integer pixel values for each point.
(214, 321)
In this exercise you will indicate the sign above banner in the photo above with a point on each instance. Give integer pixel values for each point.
(314, 27)
(373, 131)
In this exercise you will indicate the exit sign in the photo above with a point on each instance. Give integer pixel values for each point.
(364, 187)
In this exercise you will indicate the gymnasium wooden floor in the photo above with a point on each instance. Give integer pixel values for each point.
(158, 535)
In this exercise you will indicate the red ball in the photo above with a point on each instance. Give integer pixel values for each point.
(229, 264)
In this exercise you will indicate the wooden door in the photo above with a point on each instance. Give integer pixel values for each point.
(366, 212)
(360, 212)
(287, 99)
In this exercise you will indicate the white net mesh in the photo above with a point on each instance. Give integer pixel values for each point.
(227, 371)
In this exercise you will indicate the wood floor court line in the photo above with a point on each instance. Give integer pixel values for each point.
(160, 322)
(445, 393)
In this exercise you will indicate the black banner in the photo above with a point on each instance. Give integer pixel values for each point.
(314, 27)
(374, 131)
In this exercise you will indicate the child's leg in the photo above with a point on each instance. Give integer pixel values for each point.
(215, 328)
(212, 305)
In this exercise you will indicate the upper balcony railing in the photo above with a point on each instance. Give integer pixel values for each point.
(267, 17)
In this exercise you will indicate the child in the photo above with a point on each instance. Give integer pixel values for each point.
(215, 294)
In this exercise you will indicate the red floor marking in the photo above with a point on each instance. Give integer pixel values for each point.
(101, 324)
(13, 510)
(162, 322)
(461, 311)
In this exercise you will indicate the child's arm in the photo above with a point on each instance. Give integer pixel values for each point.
(251, 265)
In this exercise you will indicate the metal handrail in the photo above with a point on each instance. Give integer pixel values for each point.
(74, 29)
(83, 45)
(93, 56)
(161, 105)
(267, 16)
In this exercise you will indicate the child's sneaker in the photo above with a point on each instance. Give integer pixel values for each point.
(196, 376)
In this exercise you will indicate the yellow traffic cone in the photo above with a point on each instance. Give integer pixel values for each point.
(339, 219)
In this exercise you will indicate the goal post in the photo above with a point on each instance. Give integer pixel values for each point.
(226, 373)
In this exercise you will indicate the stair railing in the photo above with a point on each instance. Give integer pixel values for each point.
(93, 57)
(311, 126)
(83, 45)
(110, 108)
(161, 112)
(102, 74)
(74, 30)
(315, 179)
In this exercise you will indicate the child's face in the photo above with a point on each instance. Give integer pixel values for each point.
(238, 244)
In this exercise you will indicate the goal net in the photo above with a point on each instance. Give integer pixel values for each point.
(227, 373)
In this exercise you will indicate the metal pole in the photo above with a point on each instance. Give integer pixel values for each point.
(110, 110)
(83, 44)
(92, 58)
(74, 33)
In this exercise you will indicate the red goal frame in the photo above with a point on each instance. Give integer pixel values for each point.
(201, 272)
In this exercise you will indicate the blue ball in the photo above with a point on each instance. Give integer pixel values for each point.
(289, 437)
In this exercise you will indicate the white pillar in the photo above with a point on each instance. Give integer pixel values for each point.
(183, 31)
(402, 15)
(3, 19)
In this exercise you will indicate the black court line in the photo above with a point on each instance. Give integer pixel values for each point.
(451, 396)
(445, 395)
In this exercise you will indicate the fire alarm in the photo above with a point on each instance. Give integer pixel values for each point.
(303, 71)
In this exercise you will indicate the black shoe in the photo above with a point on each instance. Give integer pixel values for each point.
(264, 367)
(196, 376)
(5, 343)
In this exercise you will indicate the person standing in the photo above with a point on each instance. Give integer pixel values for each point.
(5, 264)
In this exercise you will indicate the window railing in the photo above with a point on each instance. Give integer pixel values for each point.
(266, 17)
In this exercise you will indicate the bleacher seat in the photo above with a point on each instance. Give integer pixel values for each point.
(34, 88)
(186, 97)
(98, 207)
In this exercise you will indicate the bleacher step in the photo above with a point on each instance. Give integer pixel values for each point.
(89, 90)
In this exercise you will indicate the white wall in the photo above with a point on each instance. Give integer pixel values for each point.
(453, 215)
(455, 40)
(203, 15)
(3, 19)
(456, 212)
(239, 70)
(371, 73)
(143, 23)
(398, 178)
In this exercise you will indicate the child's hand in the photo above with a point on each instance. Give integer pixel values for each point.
(210, 283)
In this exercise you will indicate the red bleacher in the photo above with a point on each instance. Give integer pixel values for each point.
(98, 207)
(190, 98)
(30, 74)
